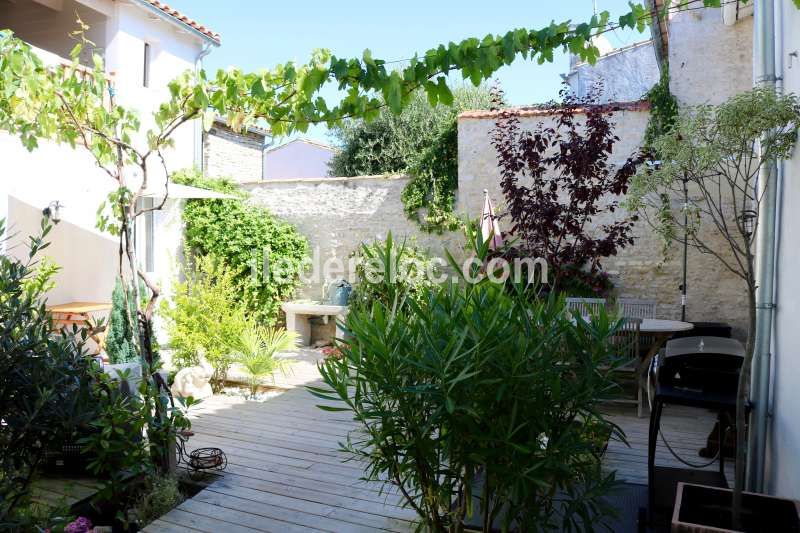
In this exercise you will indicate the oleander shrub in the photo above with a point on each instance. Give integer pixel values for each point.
(45, 380)
(471, 385)
(386, 269)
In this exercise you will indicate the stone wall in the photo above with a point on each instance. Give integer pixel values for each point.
(337, 214)
(625, 74)
(638, 271)
(231, 154)
(709, 61)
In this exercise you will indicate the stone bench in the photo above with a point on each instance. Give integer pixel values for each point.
(298, 313)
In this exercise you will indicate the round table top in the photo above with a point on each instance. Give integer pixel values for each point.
(659, 325)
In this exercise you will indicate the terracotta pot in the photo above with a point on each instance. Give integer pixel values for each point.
(704, 509)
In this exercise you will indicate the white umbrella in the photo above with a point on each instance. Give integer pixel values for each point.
(489, 226)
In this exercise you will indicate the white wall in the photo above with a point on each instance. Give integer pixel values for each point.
(172, 52)
(709, 62)
(625, 74)
(783, 474)
(297, 159)
(29, 181)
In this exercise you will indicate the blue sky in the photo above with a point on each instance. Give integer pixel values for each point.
(258, 34)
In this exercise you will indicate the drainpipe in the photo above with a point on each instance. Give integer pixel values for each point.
(198, 126)
(764, 74)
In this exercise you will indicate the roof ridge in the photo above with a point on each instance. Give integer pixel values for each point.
(549, 109)
(180, 17)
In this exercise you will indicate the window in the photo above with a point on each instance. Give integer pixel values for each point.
(146, 66)
(144, 235)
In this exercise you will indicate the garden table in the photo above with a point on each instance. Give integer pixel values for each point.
(660, 331)
(80, 314)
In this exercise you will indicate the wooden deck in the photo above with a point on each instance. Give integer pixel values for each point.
(63, 493)
(285, 473)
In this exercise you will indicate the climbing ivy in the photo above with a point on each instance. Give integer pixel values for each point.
(422, 142)
(663, 109)
(239, 234)
(429, 198)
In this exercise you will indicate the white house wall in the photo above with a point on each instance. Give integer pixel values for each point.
(297, 160)
(709, 62)
(783, 474)
(29, 181)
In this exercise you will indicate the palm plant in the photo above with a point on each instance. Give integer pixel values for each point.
(257, 348)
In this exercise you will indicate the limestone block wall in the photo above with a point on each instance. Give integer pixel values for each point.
(638, 271)
(624, 74)
(709, 61)
(338, 214)
(234, 155)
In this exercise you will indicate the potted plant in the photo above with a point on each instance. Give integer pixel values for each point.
(124, 361)
(708, 173)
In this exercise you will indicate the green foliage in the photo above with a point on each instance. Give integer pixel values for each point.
(161, 494)
(120, 341)
(41, 279)
(720, 152)
(240, 234)
(204, 319)
(117, 445)
(421, 141)
(45, 392)
(663, 109)
(257, 349)
(475, 381)
(387, 272)
(716, 148)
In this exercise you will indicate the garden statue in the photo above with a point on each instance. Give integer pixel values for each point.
(193, 381)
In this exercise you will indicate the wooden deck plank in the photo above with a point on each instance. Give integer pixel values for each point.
(285, 466)
(242, 517)
(160, 526)
(303, 520)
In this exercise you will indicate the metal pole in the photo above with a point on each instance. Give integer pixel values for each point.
(764, 41)
(685, 246)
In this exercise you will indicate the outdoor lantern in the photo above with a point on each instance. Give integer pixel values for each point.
(653, 164)
(748, 219)
(53, 211)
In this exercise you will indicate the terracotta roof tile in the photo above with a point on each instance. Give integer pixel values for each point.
(174, 13)
(538, 111)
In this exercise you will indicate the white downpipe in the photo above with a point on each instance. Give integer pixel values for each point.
(198, 123)
(764, 74)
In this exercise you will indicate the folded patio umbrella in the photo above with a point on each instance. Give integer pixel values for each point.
(489, 226)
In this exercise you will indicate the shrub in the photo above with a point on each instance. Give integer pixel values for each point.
(422, 142)
(120, 343)
(161, 494)
(385, 270)
(45, 379)
(117, 445)
(204, 317)
(238, 234)
(475, 382)
(558, 185)
(257, 349)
